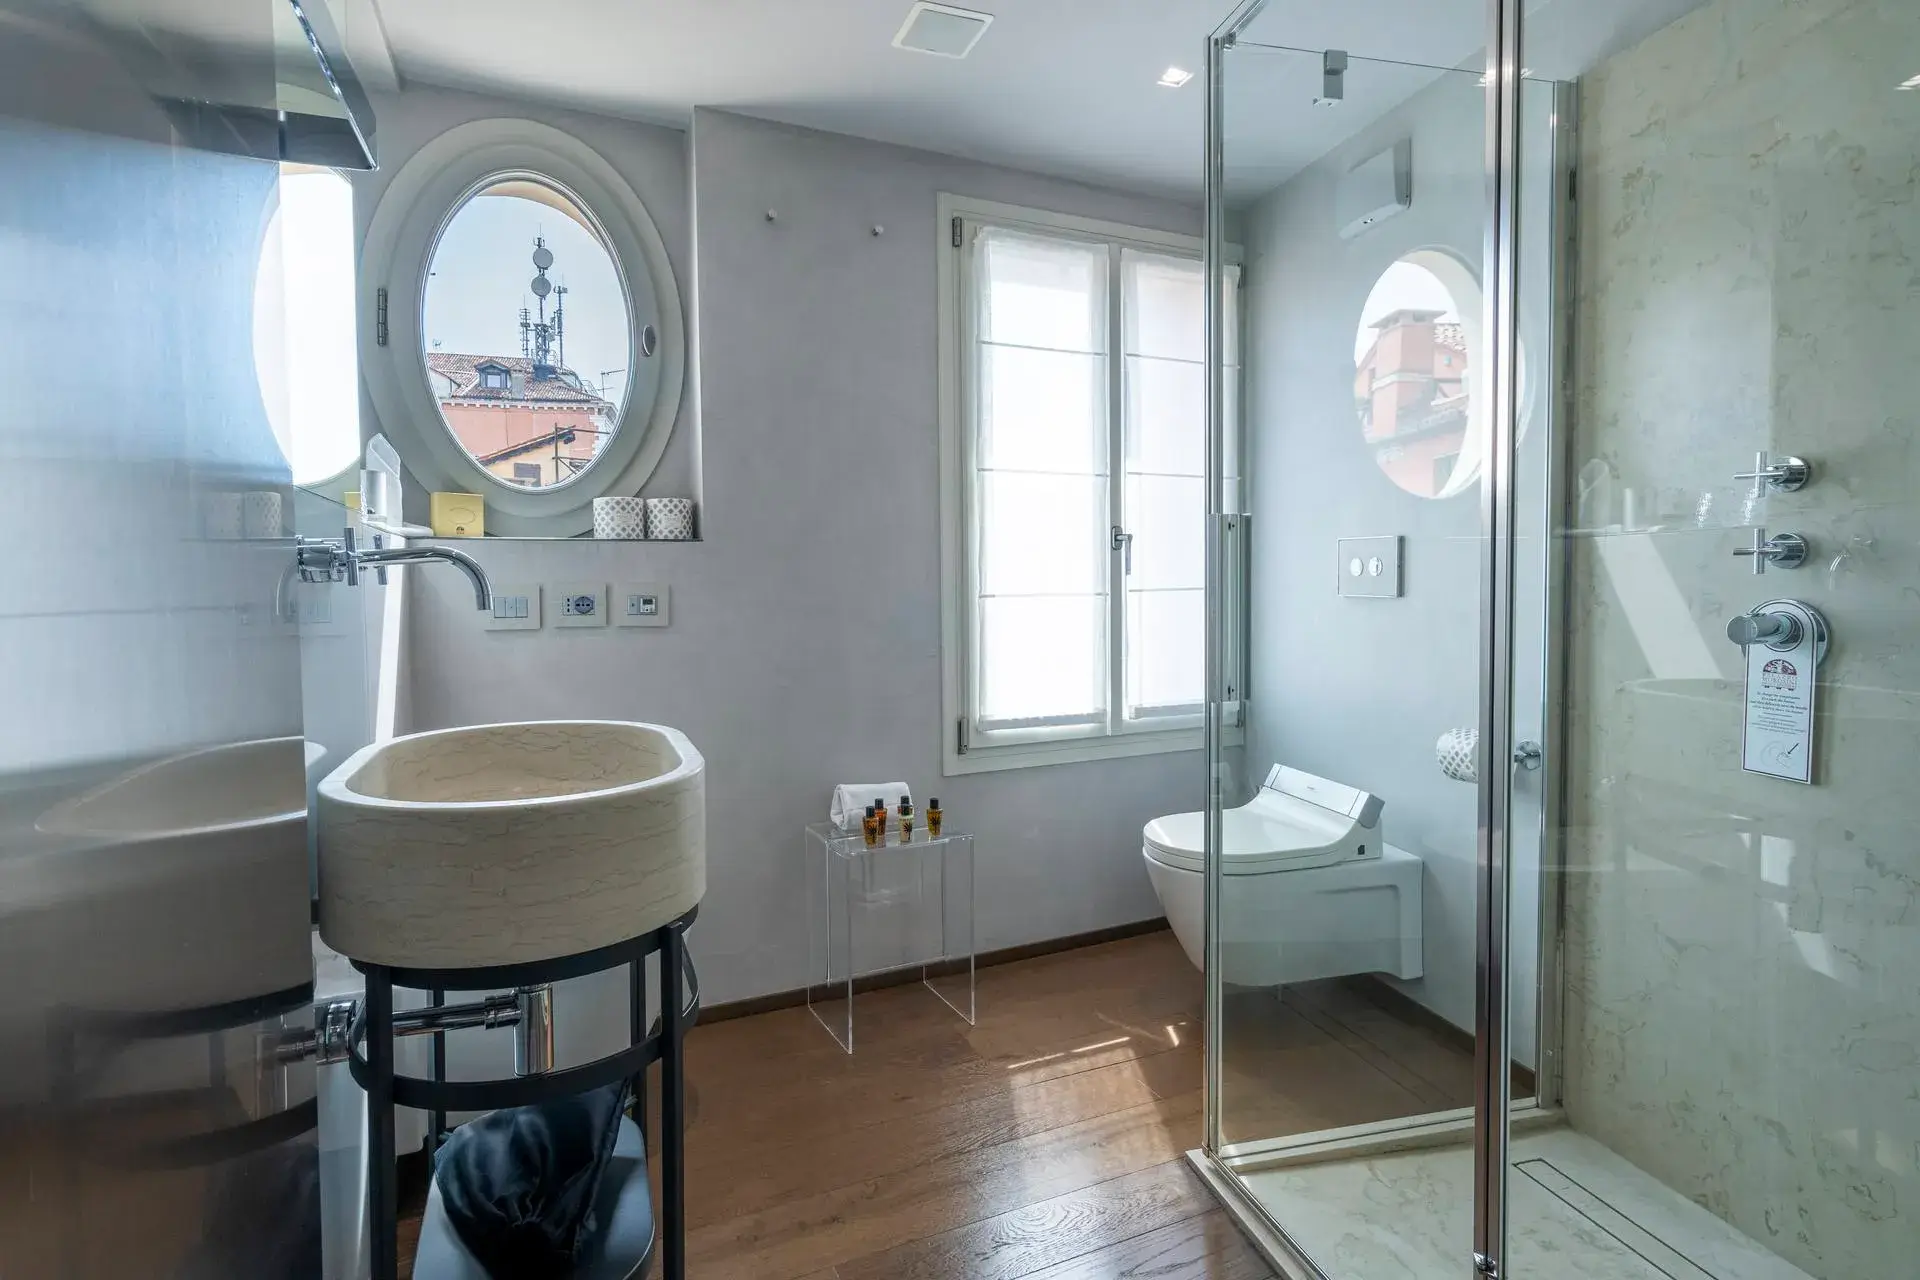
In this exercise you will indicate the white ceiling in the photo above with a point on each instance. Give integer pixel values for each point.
(1060, 86)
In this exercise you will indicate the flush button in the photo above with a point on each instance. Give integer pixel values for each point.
(1368, 567)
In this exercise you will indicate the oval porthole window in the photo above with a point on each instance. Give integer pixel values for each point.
(1416, 358)
(527, 332)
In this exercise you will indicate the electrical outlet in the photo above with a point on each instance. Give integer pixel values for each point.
(640, 604)
(581, 605)
(516, 607)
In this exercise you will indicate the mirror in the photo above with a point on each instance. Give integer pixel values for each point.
(1415, 354)
(527, 333)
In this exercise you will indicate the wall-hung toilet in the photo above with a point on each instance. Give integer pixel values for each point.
(1311, 890)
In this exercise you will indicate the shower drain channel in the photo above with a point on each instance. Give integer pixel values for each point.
(1648, 1247)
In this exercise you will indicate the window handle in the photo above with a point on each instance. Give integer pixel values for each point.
(1123, 543)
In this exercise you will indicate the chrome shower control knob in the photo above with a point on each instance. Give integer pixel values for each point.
(1776, 630)
(1782, 551)
(1782, 474)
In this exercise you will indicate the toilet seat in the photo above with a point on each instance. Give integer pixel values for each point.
(1293, 822)
(1254, 844)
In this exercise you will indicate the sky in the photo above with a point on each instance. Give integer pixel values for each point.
(479, 280)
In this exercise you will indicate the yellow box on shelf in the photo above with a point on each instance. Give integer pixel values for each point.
(458, 515)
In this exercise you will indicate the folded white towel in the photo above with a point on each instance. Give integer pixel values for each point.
(850, 801)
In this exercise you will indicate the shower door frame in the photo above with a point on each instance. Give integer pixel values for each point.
(1493, 1109)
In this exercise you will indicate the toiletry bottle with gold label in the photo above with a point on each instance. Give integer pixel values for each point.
(870, 827)
(880, 815)
(906, 819)
(933, 817)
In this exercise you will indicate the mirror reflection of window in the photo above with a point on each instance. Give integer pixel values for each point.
(527, 333)
(1414, 375)
(303, 324)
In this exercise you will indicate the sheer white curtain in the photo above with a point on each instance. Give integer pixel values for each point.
(1040, 480)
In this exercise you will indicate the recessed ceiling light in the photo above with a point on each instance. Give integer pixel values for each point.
(1174, 77)
(941, 29)
(1910, 84)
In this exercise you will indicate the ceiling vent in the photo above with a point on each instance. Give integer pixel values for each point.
(941, 29)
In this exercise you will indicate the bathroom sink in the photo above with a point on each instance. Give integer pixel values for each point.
(510, 843)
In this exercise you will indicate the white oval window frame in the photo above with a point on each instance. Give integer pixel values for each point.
(405, 228)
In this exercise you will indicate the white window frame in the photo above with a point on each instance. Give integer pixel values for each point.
(966, 750)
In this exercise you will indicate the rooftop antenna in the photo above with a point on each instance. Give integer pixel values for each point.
(540, 348)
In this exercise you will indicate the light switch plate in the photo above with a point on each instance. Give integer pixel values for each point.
(1369, 566)
(580, 604)
(516, 607)
(641, 604)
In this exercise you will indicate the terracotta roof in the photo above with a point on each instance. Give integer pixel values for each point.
(463, 372)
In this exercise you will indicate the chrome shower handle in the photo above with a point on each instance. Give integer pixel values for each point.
(1776, 630)
(1782, 550)
(1784, 474)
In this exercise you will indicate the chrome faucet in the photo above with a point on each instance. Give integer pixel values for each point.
(1782, 550)
(323, 560)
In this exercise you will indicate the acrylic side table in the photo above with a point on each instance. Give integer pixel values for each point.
(881, 909)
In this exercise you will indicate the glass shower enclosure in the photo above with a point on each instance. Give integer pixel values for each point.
(1563, 488)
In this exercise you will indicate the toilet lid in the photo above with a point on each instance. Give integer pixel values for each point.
(1252, 841)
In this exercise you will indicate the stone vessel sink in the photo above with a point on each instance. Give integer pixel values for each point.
(509, 843)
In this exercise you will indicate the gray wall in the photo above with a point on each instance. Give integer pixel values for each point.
(1356, 689)
(805, 645)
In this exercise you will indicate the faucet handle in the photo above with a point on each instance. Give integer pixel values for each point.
(1784, 474)
(1782, 550)
(350, 556)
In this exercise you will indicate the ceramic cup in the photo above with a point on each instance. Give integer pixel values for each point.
(260, 514)
(220, 516)
(619, 517)
(670, 519)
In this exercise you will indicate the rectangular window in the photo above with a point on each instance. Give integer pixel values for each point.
(1074, 446)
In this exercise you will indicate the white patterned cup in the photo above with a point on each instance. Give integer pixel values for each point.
(260, 514)
(670, 519)
(619, 518)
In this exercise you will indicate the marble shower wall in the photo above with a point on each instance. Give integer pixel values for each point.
(1743, 954)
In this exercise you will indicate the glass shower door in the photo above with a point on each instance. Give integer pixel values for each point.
(1741, 1026)
(1351, 172)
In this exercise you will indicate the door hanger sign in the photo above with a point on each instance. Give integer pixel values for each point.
(1777, 736)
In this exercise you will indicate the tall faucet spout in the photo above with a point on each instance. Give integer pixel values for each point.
(384, 557)
(482, 588)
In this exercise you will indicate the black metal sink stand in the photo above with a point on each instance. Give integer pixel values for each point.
(370, 1056)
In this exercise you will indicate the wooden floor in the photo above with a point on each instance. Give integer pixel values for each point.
(1046, 1143)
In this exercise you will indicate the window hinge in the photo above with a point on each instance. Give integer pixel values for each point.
(380, 316)
(956, 233)
(960, 735)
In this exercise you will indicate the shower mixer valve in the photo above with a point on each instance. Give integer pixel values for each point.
(1782, 550)
(1784, 474)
